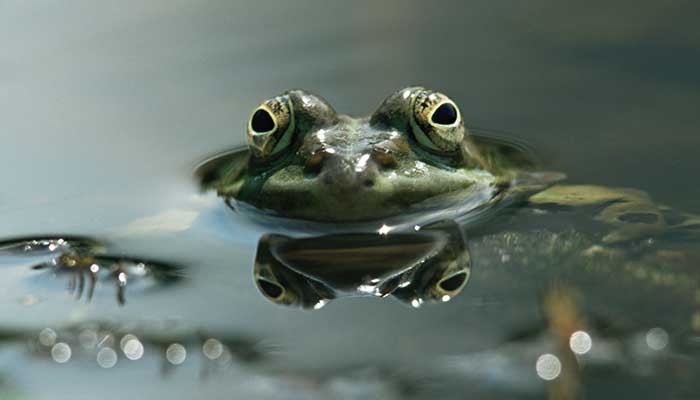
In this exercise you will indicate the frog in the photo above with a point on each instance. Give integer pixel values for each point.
(410, 164)
(307, 162)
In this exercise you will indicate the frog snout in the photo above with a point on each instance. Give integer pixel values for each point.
(347, 175)
(343, 174)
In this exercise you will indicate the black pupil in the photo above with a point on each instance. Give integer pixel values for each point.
(262, 121)
(446, 114)
(453, 283)
(270, 289)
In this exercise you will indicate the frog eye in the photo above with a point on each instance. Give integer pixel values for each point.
(451, 285)
(270, 127)
(437, 122)
(285, 287)
(272, 290)
(274, 280)
(282, 285)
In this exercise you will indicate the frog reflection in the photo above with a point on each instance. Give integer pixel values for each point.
(86, 262)
(432, 264)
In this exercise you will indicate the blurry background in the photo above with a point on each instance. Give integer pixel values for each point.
(106, 108)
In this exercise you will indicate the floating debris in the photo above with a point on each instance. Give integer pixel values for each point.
(86, 262)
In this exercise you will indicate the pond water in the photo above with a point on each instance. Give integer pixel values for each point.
(107, 110)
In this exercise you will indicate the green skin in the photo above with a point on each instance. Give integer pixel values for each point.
(343, 170)
(351, 183)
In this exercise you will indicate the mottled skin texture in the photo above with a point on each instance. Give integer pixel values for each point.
(351, 177)
(343, 169)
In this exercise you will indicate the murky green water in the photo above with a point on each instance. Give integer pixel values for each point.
(106, 110)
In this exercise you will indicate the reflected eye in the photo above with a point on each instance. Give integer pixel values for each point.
(436, 123)
(271, 289)
(270, 127)
(282, 285)
(454, 282)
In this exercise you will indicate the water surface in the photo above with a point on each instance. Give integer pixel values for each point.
(107, 110)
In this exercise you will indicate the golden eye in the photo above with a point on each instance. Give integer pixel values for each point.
(437, 123)
(270, 127)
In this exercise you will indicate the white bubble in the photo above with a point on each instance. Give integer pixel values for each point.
(107, 357)
(657, 338)
(47, 337)
(133, 349)
(548, 367)
(61, 352)
(212, 349)
(580, 342)
(176, 353)
(445, 298)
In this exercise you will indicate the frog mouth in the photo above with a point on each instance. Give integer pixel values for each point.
(389, 195)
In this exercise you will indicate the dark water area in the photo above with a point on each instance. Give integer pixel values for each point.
(107, 110)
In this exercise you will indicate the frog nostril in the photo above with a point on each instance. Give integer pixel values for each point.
(368, 183)
(384, 158)
(314, 164)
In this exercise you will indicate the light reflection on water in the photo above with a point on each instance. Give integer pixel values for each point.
(176, 354)
(580, 342)
(107, 357)
(61, 352)
(548, 367)
(657, 338)
(107, 111)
